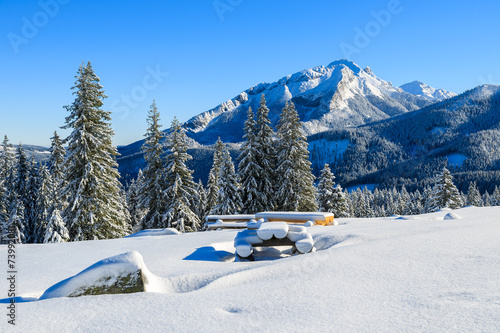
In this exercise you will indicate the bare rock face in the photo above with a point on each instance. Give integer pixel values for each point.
(121, 274)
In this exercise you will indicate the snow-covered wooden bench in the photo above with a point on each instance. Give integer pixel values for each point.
(237, 221)
(273, 234)
(298, 217)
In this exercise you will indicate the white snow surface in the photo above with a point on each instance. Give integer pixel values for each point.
(420, 274)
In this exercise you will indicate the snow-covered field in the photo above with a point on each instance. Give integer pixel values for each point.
(400, 274)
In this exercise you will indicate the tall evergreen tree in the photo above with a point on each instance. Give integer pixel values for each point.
(95, 209)
(180, 186)
(200, 202)
(133, 195)
(495, 197)
(56, 231)
(30, 204)
(265, 159)
(294, 178)
(7, 162)
(15, 224)
(444, 193)
(56, 160)
(151, 193)
(4, 210)
(473, 196)
(44, 204)
(249, 170)
(7, 176)
(213, 176)
(330, 197)
(229, 201)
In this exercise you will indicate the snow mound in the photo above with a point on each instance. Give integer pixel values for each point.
(123, 273)
(155, 232)
(452, 216)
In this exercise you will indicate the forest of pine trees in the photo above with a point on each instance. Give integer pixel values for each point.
(77, 194)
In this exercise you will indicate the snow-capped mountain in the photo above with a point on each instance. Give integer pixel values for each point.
(338, 95)
(462, 133)
(421, 89)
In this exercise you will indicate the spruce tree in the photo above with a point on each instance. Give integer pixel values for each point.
(4, 210)
(294, 179)
(180, 186)
(473, 196)
(30, 205)
(444, 193)
(7, 162)
(95, 209)
(495, 197)
(56, 231)
(200, 202)
(56, 160)
(249, 170)
(56, 170)
(44, 204)
(265, 159)
(325, 190)
(151, 193)
(133, 204)
(213, 176)
(15, 224)
(229, 201)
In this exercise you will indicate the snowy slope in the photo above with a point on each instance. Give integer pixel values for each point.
(340, 94)
(422, 89)
(397, 274)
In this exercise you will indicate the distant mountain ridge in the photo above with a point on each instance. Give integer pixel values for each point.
(421, 89)
(338, 95)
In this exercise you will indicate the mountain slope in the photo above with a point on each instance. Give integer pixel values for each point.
(338, 95)
(421, 89)
(462, 133)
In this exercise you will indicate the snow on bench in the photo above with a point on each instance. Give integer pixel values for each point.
(273, 234)
(273, 229)
(298, 217)
(237, 221)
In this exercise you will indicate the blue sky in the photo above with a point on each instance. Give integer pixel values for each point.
(192, 55)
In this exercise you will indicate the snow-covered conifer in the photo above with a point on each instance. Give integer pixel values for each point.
(200, 201)
(495, 197)
(180, 186)
(151, 194)
(133, 195)
(294, 178)
(213, 176)
(56, 160)
(331, 197)
(56, 231)
(15, 224)
(473, 196)
(44, 204)
(249, 170)
(95, 209)
(265, 158)
(229, 201)
(444, 193)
